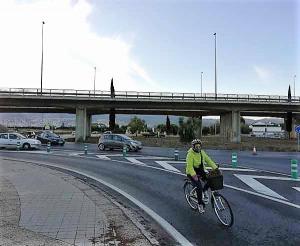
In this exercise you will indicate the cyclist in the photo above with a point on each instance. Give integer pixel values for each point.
(195, 166)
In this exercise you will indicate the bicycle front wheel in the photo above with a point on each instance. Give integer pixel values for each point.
(222, 210)
(190, 195)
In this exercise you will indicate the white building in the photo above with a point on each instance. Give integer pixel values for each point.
(266, 129)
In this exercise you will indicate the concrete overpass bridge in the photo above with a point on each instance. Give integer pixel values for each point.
(85, 103)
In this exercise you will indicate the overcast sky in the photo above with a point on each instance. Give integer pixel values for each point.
(151, 45)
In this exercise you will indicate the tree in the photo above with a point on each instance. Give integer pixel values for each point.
(112, 113)
(289, 116)
(168, 125)
(243, 120)
(245, 129)
(174, 129)
(137, 125)
(112, 88)
(161, 128)
(189, 129)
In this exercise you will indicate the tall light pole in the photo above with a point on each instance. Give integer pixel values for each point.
(215, 34)
(294, 85)
(95, 80)
(42, 61)
(201, 83)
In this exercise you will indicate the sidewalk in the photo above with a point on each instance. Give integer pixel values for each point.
(40, 206)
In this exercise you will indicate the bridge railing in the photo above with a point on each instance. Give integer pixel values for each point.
(145, 95)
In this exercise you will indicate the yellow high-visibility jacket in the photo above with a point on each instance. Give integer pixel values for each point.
(193, 160)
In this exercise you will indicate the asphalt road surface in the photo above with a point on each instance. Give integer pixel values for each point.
(265, 204)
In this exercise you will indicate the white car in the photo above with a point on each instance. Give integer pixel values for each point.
(11, 140)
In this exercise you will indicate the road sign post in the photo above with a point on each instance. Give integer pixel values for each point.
(48, 147)
(234, 159)
(176, 155)
(125, 151)
(294, 169)
(297, 130)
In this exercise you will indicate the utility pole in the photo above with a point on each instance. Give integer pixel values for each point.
(95, 81)
(42, 61)
(215, 34)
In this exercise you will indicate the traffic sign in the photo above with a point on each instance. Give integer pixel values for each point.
(297, 129)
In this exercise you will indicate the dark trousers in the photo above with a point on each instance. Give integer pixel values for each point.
(200, 172)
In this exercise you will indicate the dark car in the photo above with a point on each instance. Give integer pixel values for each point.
(48, 136)
(118, 141)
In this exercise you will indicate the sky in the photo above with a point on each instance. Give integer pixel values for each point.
(152, 45)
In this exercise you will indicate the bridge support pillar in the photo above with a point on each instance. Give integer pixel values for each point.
(198, 133)
(88, 125)
(81, 125)
(230, 128)
(295, 122)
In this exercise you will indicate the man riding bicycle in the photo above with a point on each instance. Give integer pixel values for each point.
(195, 166)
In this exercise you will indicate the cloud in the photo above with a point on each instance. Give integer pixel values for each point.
(262, 73)
(71, 49)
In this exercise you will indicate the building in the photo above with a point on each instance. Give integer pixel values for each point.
(267, 129)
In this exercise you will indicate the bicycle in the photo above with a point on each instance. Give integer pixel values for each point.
(218, 202)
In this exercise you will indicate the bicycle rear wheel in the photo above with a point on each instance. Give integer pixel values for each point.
(190, 195)
(222, 210)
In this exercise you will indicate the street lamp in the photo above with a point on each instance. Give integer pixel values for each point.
(294, 85)
(215, 34)
(201, 83)
(42, 61)
(95, 80)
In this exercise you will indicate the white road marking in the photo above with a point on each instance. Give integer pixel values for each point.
(161, 221)
(257, 186)
(137, 158)
(166, 165)
(264, 196)
(297, 188)
(74, 153)
(103, 157)
(135, 161)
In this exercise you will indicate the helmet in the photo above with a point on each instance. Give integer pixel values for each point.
(196, 142)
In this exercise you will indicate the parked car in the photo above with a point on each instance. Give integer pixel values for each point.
(48, 136)
(29, 134)
(118, 141)
(11, 140)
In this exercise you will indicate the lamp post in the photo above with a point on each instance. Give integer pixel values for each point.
(95, 80)
(215, 34)
(42, 61)
(201, 83)
(294, 85)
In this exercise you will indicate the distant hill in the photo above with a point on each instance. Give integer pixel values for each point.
(37, 119)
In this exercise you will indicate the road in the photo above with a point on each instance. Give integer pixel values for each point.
(266, 207)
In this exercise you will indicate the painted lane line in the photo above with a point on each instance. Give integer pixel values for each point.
(166, 165)
(297, 188)
(135, 161)
(73, 153)
(264, 196)
(151, 157)
(103, 157)
(261, 170)
(275, 178)
(161, 221)
(257, 186)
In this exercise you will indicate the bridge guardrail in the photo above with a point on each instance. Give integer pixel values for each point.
(146, 95)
